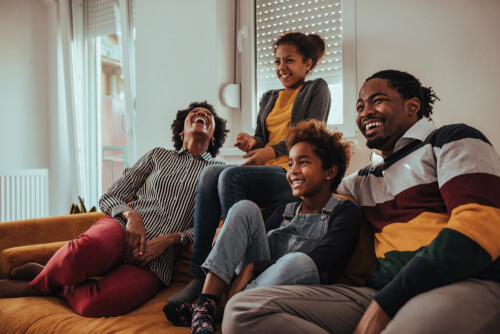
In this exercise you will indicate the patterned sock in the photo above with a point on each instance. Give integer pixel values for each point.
(180, 314)
(204, 315)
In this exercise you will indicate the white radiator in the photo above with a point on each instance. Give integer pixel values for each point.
(24, 194)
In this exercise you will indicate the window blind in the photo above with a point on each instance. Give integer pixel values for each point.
(274, 18)
(101, 18)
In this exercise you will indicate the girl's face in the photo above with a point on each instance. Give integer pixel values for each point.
(290, 66)
(305, 173)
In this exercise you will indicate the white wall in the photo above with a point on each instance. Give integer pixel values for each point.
(176, 63)
(24, 111)
(184, 53)
(451, 45)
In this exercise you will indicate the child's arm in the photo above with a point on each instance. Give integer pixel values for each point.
(336, 247)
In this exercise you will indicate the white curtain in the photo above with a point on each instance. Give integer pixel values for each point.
(80, 74)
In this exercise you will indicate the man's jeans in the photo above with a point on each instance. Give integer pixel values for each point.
(243, 240)
(219, 188)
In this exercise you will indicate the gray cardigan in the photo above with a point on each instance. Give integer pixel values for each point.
(313, 101)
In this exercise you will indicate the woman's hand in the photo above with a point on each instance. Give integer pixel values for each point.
(245, 142)
(216, 235)
(134, 232)
(154, 248)
(259, 156)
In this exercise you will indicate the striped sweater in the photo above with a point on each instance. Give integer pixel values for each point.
(435, 208)
(161, 188)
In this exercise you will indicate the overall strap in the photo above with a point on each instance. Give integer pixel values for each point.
(290, 211)
(332, 203)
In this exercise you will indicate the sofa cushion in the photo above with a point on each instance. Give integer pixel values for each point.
(181, 267)
(45, 230)
(363, 259)
(16, 256)
(53, 315)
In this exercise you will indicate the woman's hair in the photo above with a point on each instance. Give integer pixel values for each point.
(220, 131)
(328, 145)
(309, 46)
(408, 87)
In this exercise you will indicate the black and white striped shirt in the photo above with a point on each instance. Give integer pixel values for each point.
(161, 188)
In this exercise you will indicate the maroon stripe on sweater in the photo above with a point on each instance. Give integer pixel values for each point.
(406, 206)
(478, 188)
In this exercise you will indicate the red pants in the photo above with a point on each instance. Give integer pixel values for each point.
(97, 252)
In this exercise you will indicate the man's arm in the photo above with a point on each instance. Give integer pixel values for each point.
(468, 172)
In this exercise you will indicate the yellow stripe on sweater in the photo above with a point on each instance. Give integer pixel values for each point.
(410, 236)
(480, 223)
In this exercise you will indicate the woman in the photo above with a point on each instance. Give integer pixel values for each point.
(307, 242)
(150, 212)
(220, 187)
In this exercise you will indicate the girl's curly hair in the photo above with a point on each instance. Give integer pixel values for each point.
(220, 131)
(330, 147)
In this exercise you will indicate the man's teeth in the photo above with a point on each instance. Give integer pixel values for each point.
(285, 75)
(297, 182)
(373, 125)
(196, 119)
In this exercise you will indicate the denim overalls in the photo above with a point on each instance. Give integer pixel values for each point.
(300, 233)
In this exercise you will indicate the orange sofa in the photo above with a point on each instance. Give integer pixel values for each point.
(38, 239)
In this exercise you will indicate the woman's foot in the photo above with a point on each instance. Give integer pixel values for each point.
(13, 289)
(26, 272)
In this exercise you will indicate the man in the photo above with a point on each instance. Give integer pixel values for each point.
(434, 203)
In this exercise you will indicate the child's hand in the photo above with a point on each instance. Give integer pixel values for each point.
(216, 235)
(241, 281)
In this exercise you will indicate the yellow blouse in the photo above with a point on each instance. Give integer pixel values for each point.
(278, 123)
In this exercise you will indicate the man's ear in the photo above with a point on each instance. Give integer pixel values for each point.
(413, 106)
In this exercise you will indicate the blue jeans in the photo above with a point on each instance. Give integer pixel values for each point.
(219, 188)
(243, 240)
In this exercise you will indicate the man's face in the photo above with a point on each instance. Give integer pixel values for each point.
(383, 116)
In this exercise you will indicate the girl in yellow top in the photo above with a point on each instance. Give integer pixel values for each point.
(262, 178)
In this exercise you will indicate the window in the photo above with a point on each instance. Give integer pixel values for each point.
(100, 86)
(332, 20)
(110, 36)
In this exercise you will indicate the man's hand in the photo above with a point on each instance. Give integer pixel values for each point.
(373, 321)
(154, 248)
(134, 232)
(259, 156)
(245, 142)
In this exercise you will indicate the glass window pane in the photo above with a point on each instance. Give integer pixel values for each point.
(113, 111)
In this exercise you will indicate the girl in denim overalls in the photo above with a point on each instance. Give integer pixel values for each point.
(307, 242)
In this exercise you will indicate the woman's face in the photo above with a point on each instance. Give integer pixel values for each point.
(290, 66)
(199, 122)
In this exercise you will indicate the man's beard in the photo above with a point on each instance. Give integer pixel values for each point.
(377, 142)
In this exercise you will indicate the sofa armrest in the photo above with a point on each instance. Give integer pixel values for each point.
(45, 230)
(16, 256)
